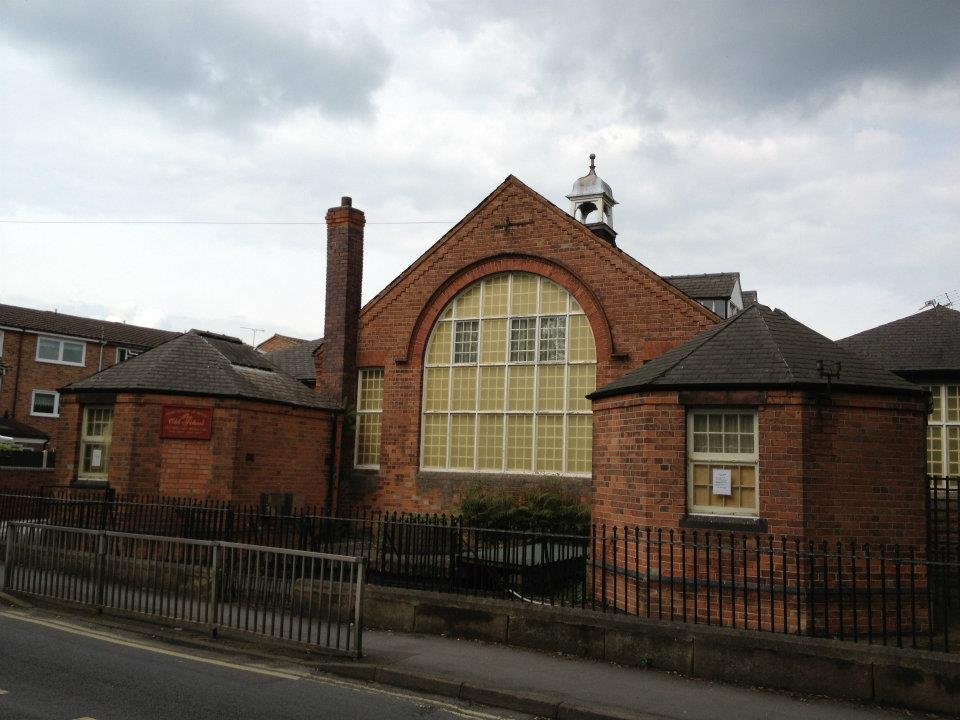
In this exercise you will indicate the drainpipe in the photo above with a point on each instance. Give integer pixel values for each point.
(103, 342)
(16, 382)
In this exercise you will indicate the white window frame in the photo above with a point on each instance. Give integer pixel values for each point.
(944, 423)
(62, 341)
(565, 413)
(56, 403)
(105, 440)
(128, 350)
(360, 413)
(721, 458)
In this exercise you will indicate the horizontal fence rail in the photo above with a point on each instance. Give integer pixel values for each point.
(898, 596)
(305, 597)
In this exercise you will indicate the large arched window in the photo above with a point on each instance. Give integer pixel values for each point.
(507, 369)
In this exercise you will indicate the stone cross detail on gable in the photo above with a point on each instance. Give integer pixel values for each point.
(510, 224)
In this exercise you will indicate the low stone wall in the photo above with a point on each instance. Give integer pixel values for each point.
(908, 678)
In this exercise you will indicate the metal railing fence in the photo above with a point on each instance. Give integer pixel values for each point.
(305, 597)
(892, 595)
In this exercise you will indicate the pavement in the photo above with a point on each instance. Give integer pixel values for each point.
(533, 683)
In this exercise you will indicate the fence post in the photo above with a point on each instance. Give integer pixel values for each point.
(213, 603)
(101, 568)
(8, 560)
(358, 610)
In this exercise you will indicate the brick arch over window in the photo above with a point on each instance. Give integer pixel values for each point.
(599, 323)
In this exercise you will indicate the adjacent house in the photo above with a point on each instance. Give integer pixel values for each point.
(925, 349)
(41, 351)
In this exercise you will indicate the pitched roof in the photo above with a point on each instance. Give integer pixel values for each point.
(17, 429)
(297, 361)
(759, 347)
(928, 340)
(278, 339)
(45, 321)
(706, 285)
(201, 363)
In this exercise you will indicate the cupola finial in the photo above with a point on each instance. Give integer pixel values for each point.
(593, 167)
(591, 202)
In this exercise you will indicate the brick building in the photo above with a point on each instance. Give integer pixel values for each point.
(925, 349)
(750, 427)
(201, 416)
(41, 351)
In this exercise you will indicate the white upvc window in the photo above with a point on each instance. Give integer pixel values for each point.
(95, 438)
(722, 455)
(126, 353)
(943, 431)
(369, 418)
(61, 351)
(45, 403)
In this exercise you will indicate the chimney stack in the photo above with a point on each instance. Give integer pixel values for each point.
(337, 379)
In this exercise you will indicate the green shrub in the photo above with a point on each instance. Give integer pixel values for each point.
(542, 509)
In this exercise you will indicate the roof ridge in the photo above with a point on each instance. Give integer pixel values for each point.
(776, 341)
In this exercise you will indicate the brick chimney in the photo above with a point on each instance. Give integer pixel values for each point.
(337, 379)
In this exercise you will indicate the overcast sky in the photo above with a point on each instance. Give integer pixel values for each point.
(812, 146)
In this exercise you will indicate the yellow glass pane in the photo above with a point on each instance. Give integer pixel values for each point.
(523, 299)
(493, 341)
(520, 387)
(581, 380)
(934, 450)
(490, 442)
(463, 388)
(550, 388)
(701, 495)
(701, 475)
(438, 351)
(579, 443)
(519, 442)
(575, 308)
(582, 347)
(448, 313)
(936, 403)
(468, 303)
(462, 436)
(436, 396)
(553, 298)
(492, 380)
(370, 395)
(549, 443)
(434, 441)
(953, 403)
(368, 439)
(748, 477)
(495, 295)
(953, 451)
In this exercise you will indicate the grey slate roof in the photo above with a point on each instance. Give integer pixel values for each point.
(925, 341)
(297, 361)
(45, 321)
(199, 363)
(708, 285)
(17, 429)
(758, 348)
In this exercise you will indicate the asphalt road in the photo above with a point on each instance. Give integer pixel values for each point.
(52, 672)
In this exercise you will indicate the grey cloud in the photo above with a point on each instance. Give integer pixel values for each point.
(750, 55)
(213, 61)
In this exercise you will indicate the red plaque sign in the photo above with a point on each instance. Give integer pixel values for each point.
(186, 423)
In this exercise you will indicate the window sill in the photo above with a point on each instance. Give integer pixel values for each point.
(92, 483)
(724, 522)
(45, 415)
(61, 362)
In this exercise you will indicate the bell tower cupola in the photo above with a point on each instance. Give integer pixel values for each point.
(591, 202)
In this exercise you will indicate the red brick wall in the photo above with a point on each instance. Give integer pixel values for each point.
(840, 467)
(277, 342)
(864, 469)
(25, 478)
(255, 447)
(26, 374)
(634, 315)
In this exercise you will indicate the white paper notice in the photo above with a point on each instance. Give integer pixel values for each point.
(721, 481)
(96, 458)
